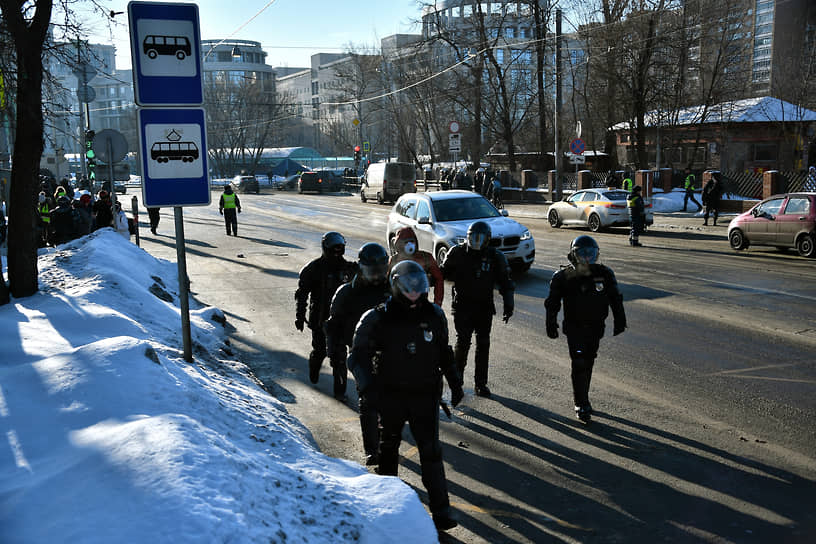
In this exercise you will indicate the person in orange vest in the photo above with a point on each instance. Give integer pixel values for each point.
(227, 205)
(407, 246)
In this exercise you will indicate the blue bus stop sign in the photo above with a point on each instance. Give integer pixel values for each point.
(173, 148)
(165, 47)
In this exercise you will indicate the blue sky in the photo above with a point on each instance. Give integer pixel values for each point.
(290, 31)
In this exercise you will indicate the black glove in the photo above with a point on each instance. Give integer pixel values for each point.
(457, 394)
(618, 328)
(508, 313)
(239, 210)
(552, 330)
(221, 212)
(299, 324)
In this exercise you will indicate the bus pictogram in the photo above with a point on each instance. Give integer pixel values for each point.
(174, 151)
(155, 45)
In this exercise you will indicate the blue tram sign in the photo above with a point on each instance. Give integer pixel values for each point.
(165, 48)
(173, 147)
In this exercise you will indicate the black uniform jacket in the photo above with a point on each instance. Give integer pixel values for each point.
(350, 302)
(474, 274)
(403, 349)
(320, 279)
(587, 299)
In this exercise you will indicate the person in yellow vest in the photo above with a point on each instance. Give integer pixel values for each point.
(227, 206)
(44, 208)
(689, 187)
(627, 182)
(637, 215)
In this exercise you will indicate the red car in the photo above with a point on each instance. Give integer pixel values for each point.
(783, 221)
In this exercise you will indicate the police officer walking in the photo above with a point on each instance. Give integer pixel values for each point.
(475, 268)
(317, 284)
(227, 205)
(368, 289)
(688, 185)
(588, 290)
(408, 335)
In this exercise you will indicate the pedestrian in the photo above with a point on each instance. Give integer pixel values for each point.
(227, 206)
(612, 180)
(637, 215)
(688, 184)
(367, 289)
(408, 338)
(62, 222)
(712, 193)
(475, 269)
(83, 220)
(120, 221)
(44, 208)
(627, 182)
(153, 215)
(407, 247)
(478, 180)
(588, 290)
(810, 183)
(317, 283)
(101, 210)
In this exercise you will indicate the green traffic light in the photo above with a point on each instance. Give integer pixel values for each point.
(90, 154)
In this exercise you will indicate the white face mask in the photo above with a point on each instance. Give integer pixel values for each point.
(410, 248)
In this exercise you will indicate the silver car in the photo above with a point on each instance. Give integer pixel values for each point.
(595, 209)
(441, 219)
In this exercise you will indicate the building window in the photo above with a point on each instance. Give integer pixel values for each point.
(500, 56)
(765, 152)
(764, 29)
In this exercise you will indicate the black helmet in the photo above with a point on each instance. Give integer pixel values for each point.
(409, 282)
(373, 260)
(478, 236)
(333, 244)
(583, 250)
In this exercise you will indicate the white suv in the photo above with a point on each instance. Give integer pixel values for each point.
(441, 219)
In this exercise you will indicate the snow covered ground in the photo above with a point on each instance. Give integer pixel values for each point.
(108, 435)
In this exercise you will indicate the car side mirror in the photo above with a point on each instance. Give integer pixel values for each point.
(755, 212)
(504, 213)
(424, 220)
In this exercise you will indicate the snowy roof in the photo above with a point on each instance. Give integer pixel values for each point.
(291, 153)
(750, 110)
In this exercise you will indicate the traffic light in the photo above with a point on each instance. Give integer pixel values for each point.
(357, 154)
(90, 154)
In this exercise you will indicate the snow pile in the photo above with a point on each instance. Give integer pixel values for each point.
(673, 201)
(110, 436)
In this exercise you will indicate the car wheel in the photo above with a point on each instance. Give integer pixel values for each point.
(737, 240)
(594, 222)
(362, 195)
(805, 246)
(441, 253)
(554, 219)
(380, 199)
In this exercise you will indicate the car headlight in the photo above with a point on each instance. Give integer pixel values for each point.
(458, 240)
(526, 235)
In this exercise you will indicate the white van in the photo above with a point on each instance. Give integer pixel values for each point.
(386, 181)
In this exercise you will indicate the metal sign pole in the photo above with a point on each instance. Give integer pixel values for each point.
(184, 286)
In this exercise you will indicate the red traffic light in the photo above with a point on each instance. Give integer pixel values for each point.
(357, 148)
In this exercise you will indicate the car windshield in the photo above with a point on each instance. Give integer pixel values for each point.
(461, 209)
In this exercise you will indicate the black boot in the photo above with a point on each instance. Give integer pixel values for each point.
(340, 380)
(443, 520)
(314, 367)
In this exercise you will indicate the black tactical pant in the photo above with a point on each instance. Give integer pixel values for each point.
(583, 348)
(690, 196)
(370, 422)
(231, 221)
(466, 322)
(421, 411)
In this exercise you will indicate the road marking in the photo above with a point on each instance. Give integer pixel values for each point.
(738, 373)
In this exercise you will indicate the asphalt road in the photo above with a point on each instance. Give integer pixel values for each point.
(705, 406)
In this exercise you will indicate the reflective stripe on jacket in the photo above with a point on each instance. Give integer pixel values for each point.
(229, 201)
(627, 184)
(45, 213)
(690, 181)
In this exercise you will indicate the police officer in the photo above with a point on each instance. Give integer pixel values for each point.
(408, 335)
(366, 290)
(588, 290)
(637, 215)
(688, 185)
(627, 182)
(227, 205)
(475, 268)
(317, 284)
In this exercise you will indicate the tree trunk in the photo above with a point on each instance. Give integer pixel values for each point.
(29, 37)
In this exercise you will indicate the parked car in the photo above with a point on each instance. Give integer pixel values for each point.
(284, 184)
(312, 181)
(386, 181)
(595, 209)
(246, 184)
(783, 221)
(440, 220)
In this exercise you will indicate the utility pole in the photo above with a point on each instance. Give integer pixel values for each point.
(82, 82)
(558, 187)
